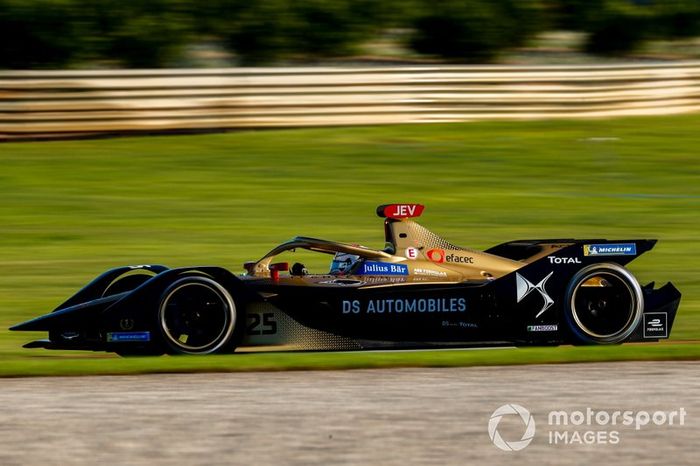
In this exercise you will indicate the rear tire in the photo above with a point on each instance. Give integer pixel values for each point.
(604, 304)
(197, 316)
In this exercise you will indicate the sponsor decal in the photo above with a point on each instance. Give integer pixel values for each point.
(383, 279)
(563, 260)
(429, 272)
(621, 249)
(382, 268)
(436, 255)
(460, 324)
(439, 256)
(114, 337)
(542, 328)
(656, 325)
(525, 287)
(453, 258)
(343, 282)
(411, 253)
(126, 324)
(403, 210)
(404, 306)
(528, 424)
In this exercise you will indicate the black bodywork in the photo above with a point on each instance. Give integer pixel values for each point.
(118, 311)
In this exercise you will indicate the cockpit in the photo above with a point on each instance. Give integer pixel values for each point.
(343, 263)
(345, 258)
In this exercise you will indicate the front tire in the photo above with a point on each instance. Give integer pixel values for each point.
(604, 304)
(197, 316)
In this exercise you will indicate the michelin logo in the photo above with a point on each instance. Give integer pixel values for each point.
(622, 249)
(113, 337)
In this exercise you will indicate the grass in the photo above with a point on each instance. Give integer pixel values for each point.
(71, 209)
(70, 366)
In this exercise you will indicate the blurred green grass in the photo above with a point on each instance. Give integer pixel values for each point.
(71, 365)
(71, 209)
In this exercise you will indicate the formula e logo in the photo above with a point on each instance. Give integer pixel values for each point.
(525, 287)
(656, 325)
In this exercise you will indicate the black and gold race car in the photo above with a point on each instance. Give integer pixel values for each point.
(419, 291)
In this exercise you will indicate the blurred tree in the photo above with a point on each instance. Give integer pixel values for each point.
(324, 28)
(144, 33)
(474, 30)
(619, 28)
(574, 15)
(255, 31)
(153, 33)
(59, 33)
(260, 32)
(677, 19)
(39, 33)
(521, 20)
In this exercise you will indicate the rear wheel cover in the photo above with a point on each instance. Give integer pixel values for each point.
(196, 316)
(604, 304)
(127, 282)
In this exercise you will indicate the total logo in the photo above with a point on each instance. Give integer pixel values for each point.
(439, 256)
(563, 260)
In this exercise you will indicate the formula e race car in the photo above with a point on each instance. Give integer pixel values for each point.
(420, 291)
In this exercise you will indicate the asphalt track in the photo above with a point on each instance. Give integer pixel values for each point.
(388, 417)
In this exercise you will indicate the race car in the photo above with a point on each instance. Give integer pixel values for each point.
(419, 291)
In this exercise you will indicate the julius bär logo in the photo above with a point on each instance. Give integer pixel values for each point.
(436, 255)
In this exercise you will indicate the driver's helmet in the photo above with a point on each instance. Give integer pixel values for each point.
(343, 262)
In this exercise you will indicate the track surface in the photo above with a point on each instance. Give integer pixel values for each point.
(402, 416)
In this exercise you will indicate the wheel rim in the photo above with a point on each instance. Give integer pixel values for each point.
(197, 316)
(606, 304)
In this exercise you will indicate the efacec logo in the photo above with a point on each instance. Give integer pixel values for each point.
(440, 256)
(584, 427)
